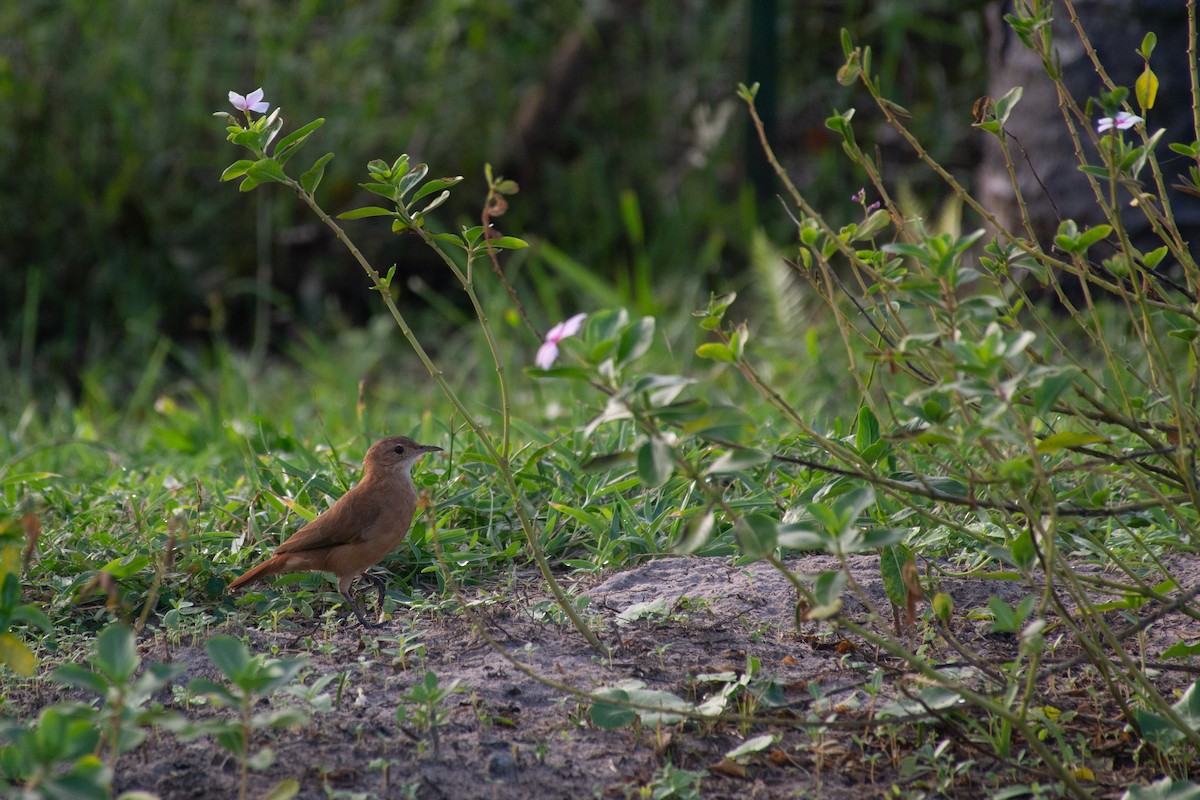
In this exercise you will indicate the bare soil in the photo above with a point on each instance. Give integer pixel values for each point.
(510, 735)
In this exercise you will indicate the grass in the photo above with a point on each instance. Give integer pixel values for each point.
(930, 417)
(221, 459)
(164, 503)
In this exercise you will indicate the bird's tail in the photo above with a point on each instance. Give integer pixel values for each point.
(271, 566)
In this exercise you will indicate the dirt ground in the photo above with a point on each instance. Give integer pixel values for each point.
(509, 735)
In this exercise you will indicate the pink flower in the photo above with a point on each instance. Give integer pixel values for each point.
(251, 102)
(549, 349)
(1123, 121)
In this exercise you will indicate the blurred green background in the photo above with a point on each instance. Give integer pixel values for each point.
(618, 118)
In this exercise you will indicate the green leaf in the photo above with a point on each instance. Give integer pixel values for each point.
(232, 739)
(1066, 243)
(381, 189)
(827, 592)
(1007, 103)
(874, 224)
(291, 143)
(436, 185)
(1092, 235)
(651, 609)
(509, 243)
(236, 170)
(32, 615)
(1005, 618)
(574, 373)
(715, 351)
(655, 463)
(1149, 42)
(751, 746)
(876, 538)
(635, 340)
(288, 717)
(218, 692)
(802, 536)
(80, 678)
(127, 566)
(1157, 730)
(854, 502)
(267, 169)
(866, 431)
(310, 180)
(737, 461)
(1182, 650)
(411, 179)
(1022, 550)
(756, 535)
(1051, 388)
(437, 201)
(1164, 789)
(366, 211)
(277, 673)
(1094, 171)
(891, 569)
(927, 702)
(249, 184)
(230, 655)
(668, 706)
(699, 531)
(608, 716)
(449, 238)
(1154, 257)
(116, 656)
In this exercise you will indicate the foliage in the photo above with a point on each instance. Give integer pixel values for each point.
(971, 430)
(114, 679)
(635, 145)
(250, 678)
(425, 706)
(56, 755)
(14, 653)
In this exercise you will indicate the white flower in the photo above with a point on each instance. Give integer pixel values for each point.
(1123, 121)
(251, 102)
(549, 349)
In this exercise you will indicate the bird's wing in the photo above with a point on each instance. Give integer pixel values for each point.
(347, 521)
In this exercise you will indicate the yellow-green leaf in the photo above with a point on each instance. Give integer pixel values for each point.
(1067, 439)
(943, 606)
(1146, 88)
(16, 655)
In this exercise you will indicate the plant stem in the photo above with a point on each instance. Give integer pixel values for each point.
(500, 454)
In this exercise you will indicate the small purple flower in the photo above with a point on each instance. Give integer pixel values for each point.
(549, 349)
(251, 102)
(1123, 121)
(860, 196)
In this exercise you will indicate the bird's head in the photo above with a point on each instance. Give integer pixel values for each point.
(395, 454)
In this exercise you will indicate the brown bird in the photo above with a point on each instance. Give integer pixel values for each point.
(362, 527)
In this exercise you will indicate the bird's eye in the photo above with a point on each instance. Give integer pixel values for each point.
(399, 450)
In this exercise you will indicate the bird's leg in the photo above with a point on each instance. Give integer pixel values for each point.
(380, 585)
(357, 611)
